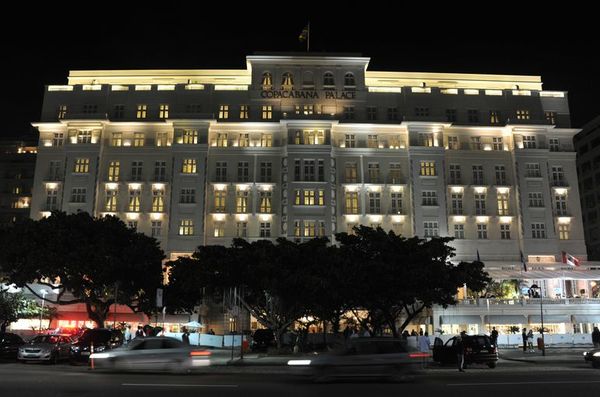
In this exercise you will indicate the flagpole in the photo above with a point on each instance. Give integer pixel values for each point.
(308, 39)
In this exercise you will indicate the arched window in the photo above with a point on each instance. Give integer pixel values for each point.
(287, 80)
(267, 80)
(349, 79)
(328, 79)
(308, 80)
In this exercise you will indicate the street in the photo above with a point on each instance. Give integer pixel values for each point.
(509, 377)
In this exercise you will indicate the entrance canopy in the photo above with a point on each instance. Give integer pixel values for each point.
(571, 274)
(466, 319)
(550, 319)
(505, 319)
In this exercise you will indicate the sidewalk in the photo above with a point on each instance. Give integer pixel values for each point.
(557, 355)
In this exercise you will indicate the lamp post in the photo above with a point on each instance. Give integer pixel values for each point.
(44, 293)
(535, 287)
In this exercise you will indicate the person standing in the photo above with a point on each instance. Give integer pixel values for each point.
(128, 335)
(494, 336)
(530, 341)
(424, 347)
(596, 337)
(140, 332)
(185, 337)
(459, 347)
(524, 337)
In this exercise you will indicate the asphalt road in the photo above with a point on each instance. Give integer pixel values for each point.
(37, 380)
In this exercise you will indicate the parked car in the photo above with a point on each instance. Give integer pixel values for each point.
(593, 356)
(262, 339)
(386, 358)
(49, 348)
(479, 349)
(9, 345)
(152, 354)
(102, 339)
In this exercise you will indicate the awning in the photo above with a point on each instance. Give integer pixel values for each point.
(517, 273)
(550, 319)
(505, 319)
(466, 319)
(585, 318)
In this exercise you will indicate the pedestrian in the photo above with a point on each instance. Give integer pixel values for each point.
(128, 335)
(211, 332)
(140, 332)
(596, 337)
(405, 335)
(185, 337)
(413, 333)
(459, 347)
(530, 341)
(524, 337)
(347, 332)
(494, 336)
(424, 347)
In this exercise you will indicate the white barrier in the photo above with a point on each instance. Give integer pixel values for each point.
(200, 339)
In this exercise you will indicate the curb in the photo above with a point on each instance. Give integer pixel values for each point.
(543, 361)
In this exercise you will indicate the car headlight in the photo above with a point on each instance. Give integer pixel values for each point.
(99, 348)
(99, 355)
(75, 349)
(597, 354)
(585, 353)
(298, 362)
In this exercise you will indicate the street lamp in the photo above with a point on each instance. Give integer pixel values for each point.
(535, 287)
(44, 293)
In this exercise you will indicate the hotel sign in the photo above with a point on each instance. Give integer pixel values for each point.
(284, 94)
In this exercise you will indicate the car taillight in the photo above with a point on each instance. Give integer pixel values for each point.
(200, 353)
(419, 355)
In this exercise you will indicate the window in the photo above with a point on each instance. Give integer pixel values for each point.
(241, 229)
(502, 204)
(348, 112)
(309, 170)
(351, 202)
(476, 143)
(561, 204)
(321, 170)
(374, 175)
(563, 232)
(138, 139)
(558, 176)
(297, 197)
(158, 200)
(454, 174)
(266, 112)
(266, 140)
(297, 170)
(429, 198)
(350, 173)
(118, 112)
(532, 170)
(473, 115)
(161, 139)
(421, 112)
(51, 199)
(522, 114)
(497, 143)
(505, 232)
(156, 228)
(477, 175)
(536, 199)
(372, 141)
(116, 139)
(310, 229)
(54, 170)
(553, 144)
(265, 202)
(482, 231)
(90, 109)
(550, 117)
(78, 194)
(350, 140)
(186, 227)
(141, 111)
(395, 175)
(134, 200)
(82, 166)
(459, 231)
(494, 117)
(267, 81)
(221, 171)
(190, 137)
(58, 138)
(538, 230)
(62, 112)
(328, 81)
(529, 142)
(265, 229)
(187, 196)
(456, 200)
(426, 139)
(431, 229)
(453, 143)
(287, 81)
(374, 203)
(243, 171)
(313, 137)
(136, 170)
(132, 225)
(223, 112)
(349, 80)
(241, 201)
(243, 140)
(396, 203)
(371, 113)
(427, 168)
(451, 115)
(392, 114)
(244, 112)
(188, 166)
(160, 171)
(113, 171)
(110, 201)
(163, 111)
(480, 203)
(193, 108)
(219, 229)
(266, 171)
(84, 136)
(221, 139)
(220, 200)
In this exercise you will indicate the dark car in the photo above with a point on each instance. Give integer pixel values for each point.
(593, 356)
(262, 339)
(100, 338)
(48, 348)
(9, 345)
(479, 349)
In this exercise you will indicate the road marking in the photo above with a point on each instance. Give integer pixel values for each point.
(171, 385)
(523, 383)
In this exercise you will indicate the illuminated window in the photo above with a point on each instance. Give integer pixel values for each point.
(550, 117)
(158, 200)
(116, 139)
(62, 112)
(267, 81)
(502, 204)
(372, 141)
(265, 229)
(244, 140)
(563, 232)
(78, 194)
(429, 198)
(186, 227)
(220, 200)
(505, 232)
(161, 138)
(266, 172)
(110, 201)
(136, 170)
(453, 143)
(266, 140)
(310, 229)
(267, 112)
(427, 168)
(243, 112)
(297, 197)
(313, 137)
(221, 171)
(142, 111)
(426, 139)
(118, 112)
(188, 166)
(190, 137)
(241, 201)
(495, 118)
(497, 143)
(187, 196)
(522, 114)
(287, 81)
(265, 202)
(241, 229)
(113, 171)
(309, 197)
(163, 111)
(538, 230)
(138, 139)
(84, 136)
(529, 142)
(82, 166)
(156, 230)
(58, 139)
(351, 202)
(134, 200)
(223, 112)
(431, 229)
(350, 140)
(222, 139)
(476, 143)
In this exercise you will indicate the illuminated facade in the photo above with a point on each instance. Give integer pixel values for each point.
(302, 146)
(17, 163)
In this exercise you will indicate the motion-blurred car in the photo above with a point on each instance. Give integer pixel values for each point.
(49, 348)
(9, 345)
(385, 358)
(100, 339)
(152, 354)
(479, 349)
(593, 356)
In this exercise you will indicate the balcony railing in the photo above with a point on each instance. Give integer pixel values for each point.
(529, 301)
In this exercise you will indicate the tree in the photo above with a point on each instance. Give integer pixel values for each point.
(14, 305)
(85, 258)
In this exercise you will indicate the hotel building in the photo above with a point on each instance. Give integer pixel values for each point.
(298, 146)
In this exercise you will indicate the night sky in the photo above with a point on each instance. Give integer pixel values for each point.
(46, 46)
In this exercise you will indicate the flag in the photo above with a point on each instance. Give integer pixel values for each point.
(523, 261)
(569, 259)
(478, 258)
(304, 34)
